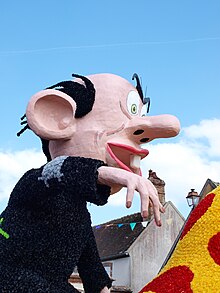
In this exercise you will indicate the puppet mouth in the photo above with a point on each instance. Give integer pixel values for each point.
(127, 157)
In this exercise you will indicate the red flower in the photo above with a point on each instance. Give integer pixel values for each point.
(175, 280)
(214, 248)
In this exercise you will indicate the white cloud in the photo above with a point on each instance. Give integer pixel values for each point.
(118, 199)
(13, 165)
(206, 135)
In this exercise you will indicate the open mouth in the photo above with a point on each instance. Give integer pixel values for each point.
(127, 157)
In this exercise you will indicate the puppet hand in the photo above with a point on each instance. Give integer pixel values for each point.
(148, 193)
(105, 290)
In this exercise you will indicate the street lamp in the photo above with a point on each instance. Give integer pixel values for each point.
(192, 198)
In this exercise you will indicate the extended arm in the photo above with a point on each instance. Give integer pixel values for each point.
(148, 193)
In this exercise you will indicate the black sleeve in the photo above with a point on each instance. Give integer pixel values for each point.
(91, 270)
(81, 175)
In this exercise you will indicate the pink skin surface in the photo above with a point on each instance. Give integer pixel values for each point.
(112, 132)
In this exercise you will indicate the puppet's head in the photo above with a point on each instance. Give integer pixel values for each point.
(100, 116)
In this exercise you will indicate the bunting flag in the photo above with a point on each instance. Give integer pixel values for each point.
(132, 225)
(144, 224)
(119, 225)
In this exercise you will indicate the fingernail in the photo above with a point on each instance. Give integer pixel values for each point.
(128, 204)
(144, 214)
(159, 223)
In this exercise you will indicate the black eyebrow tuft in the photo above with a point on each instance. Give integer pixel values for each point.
(138, 86)
(146, 101)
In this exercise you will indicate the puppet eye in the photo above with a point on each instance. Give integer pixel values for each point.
(134, 109)
(133, 103)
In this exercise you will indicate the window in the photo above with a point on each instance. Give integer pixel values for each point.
(108, 268)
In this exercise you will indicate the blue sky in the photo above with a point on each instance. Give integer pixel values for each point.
(174, 47)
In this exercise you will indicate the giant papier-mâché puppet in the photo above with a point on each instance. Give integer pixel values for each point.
(92, 130)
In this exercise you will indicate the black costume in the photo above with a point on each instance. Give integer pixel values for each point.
(45, 231)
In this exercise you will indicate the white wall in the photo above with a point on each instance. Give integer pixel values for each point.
(121, 271)
(150, 249)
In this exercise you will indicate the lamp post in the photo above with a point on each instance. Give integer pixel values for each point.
(192, 198)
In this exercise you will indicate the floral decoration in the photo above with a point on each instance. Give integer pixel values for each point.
(195, 263)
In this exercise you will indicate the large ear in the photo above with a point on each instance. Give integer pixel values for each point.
(50, 114)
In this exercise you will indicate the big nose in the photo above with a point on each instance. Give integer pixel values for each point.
(144, 129)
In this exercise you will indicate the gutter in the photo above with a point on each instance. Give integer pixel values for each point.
(115, 256)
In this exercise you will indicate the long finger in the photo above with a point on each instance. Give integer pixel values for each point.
(156, 210)
(144, 205)
(161, 208)
(129, 197)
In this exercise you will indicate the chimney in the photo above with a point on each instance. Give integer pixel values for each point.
(159, 184)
